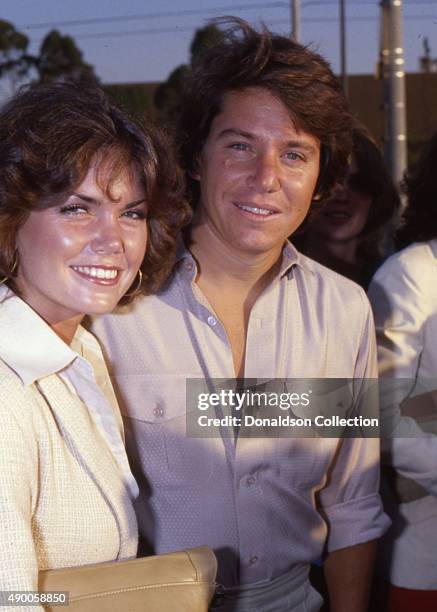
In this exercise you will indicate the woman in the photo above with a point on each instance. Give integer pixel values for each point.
(346, 232)
(403, 293)
(81, 187)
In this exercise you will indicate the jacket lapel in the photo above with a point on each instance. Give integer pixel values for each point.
(90, 450)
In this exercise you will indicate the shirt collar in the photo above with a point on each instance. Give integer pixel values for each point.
(27, 344)
(290, 257)
(433, 245)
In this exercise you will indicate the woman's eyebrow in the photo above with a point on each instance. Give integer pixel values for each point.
(136, 203)
(85, 198)
(91, 200)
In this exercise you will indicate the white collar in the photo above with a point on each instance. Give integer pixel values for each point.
(433, 246)
(27, 343)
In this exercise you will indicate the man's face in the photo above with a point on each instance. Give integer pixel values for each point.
(257, 174)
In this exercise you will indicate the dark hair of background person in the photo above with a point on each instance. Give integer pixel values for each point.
(419, 221)
(301, 79)
(372, 179)
(50, 135)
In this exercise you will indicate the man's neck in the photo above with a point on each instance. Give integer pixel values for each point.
(232, 280)
(228, 267)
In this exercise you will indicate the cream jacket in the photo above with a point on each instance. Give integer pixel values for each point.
(63, 500)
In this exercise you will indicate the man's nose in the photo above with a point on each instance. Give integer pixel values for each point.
(107, 238)
(266, 173)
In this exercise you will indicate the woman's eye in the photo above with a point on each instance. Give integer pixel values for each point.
(74, 209)
(136, 215)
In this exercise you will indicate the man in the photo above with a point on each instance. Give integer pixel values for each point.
(264, 131)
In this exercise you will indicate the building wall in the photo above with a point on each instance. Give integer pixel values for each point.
(365, 97)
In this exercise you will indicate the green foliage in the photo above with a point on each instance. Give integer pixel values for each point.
(167, 97)
(11, 40)
(204, 39)
(136, 98)
(14, 62)
(60, 58)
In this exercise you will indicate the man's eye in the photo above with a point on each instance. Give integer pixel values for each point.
(294, 156)
(239, 146)
(74, 209)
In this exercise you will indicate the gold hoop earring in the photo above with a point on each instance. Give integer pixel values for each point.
(137, 288)
(14, 267)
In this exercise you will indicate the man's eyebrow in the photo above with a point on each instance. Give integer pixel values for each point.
(294, 143)
(301, 144)
(91, 200)
(235, 132)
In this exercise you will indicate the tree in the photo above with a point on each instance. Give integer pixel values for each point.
(59, 58)
(15, 64)
(204, 39)
(168, 95)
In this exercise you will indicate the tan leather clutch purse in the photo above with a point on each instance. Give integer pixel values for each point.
(174, 582)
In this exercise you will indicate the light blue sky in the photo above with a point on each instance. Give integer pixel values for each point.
(162, 42)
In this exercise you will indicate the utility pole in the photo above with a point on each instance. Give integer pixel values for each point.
(343, 47)
(393, 81)
(295, 20)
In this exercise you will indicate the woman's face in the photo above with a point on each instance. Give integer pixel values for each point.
(81, 256)
(344, 215)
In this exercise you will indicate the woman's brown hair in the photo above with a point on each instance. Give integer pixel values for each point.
(50, 135)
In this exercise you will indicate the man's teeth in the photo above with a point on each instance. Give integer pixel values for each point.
(256, 211)
(97, 272)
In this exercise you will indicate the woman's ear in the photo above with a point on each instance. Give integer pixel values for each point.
(195, 170)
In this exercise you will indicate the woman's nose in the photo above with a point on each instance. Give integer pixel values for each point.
(108, 238)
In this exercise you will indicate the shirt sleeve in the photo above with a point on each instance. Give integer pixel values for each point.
(18, 463)
(350, 501)
(399, 296)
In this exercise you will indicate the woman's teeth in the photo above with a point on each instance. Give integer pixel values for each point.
(97, 272)
(255, 210)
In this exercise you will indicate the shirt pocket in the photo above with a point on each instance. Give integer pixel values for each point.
(303, 463)
(161, 453)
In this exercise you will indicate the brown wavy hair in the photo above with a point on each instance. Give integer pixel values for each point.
(50, 135)
(419, 221)
(301, 79)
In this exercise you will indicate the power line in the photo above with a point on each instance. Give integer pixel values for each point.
(191, 12)
(163, 14)
(177, 29)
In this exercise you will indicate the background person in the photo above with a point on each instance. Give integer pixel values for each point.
(347, 231)
(403, 293)
(78, 183)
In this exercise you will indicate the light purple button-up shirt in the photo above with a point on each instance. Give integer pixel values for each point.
(271, 504)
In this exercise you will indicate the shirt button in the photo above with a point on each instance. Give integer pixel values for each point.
(158, 411)
(212, 321)
(189, 267)
(253, 560)
(250, 481)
